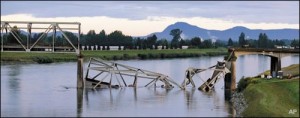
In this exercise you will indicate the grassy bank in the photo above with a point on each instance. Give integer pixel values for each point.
(271, 98)
(292, 69)
(111, 55)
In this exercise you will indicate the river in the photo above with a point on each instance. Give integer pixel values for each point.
(49, 90)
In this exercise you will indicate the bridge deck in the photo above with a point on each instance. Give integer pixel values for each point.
(282, 50)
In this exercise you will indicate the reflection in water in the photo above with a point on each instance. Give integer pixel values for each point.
(14, 81)
(79, 101)
(190, 103)
(228, 94)
(110, 101)
(231, 109)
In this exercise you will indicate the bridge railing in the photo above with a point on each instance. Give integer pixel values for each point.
(265, 50)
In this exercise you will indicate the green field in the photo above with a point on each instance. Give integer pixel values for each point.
(272, 98)
(111, 55)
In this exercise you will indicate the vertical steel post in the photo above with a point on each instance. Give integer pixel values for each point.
(5, 33)
(54, 35)
(28, 36)
(2, 36)
(79, 31)
(80, 81)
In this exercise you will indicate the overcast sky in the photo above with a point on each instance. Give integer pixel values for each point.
(141, 18)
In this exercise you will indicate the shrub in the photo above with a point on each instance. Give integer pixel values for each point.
(143, 56)
(162, 55)
(42, 60)
(126, 56)
(242, 84)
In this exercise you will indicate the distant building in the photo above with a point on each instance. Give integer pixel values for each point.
(277, 46)
(185, 47)
(115, 47)
(245, 46)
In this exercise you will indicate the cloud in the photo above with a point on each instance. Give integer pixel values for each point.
(242, 11)
(146, 26)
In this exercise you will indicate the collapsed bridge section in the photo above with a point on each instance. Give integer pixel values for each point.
(220, 70)
(106, 71)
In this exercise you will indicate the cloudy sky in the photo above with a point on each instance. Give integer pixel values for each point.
(138, 18)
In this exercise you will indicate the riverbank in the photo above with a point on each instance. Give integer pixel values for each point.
(268, 97)
(24, 57)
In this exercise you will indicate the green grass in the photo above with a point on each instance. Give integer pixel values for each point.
(32, 57)
(273, 97)
(112, 55)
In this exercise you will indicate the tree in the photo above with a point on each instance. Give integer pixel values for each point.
(91, 38)
(166, 43)
(102, 37)
(176, 37)
(252, 43)
(181, 43)
(295, 43)
(117, 38)
(17, 32)
(230, 42)
(278, 42)
(72, 37)
(207, 43)
(242, 40)
(260, 40)
(263, 41)
(151, 41)
(196, 41)
(139, 43)
(219, 43)
(145, 44)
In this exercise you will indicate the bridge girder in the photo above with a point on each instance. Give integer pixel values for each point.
(277, 53)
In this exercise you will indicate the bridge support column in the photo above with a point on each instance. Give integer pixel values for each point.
(230, 78)
(275, 66)
(230, 81)
(80, 81)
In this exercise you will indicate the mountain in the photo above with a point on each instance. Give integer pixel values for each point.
(190, 31)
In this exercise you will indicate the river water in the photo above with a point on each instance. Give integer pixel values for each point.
(49, 90)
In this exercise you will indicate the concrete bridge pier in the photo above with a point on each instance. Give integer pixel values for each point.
(275, 66)
(230, 78)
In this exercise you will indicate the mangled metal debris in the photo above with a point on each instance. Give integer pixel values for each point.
(219, 70)
(107, 70)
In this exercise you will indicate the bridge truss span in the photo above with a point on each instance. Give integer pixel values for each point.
(106, 71)
(28, 44)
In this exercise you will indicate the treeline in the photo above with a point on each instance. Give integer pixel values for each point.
(117, 38)
(262, 42)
